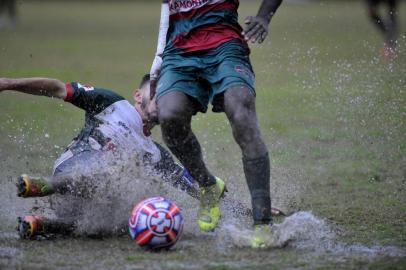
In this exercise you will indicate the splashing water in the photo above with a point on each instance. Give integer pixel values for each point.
(102, 193)
(304, 231)
(301, 230)
(110, 187)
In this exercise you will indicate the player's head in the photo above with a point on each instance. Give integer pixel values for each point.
(143, 104)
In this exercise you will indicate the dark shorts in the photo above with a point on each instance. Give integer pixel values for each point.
(204, 76)
(77, 162)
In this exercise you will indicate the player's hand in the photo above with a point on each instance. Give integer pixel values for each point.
(256, 29)
(149, 124)
(152, 86)
(150, 118)
(147, 129)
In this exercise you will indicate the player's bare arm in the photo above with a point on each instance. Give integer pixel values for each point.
(35, 86)
(256, 27)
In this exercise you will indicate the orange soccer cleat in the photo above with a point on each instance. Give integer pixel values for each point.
(29, 226)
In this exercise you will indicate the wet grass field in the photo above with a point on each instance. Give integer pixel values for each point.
(332, 112)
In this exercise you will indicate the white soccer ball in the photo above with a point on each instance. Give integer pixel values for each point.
(155, 223)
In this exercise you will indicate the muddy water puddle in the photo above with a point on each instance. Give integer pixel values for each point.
(311, 245)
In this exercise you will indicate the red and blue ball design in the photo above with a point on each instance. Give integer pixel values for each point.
(155, 223)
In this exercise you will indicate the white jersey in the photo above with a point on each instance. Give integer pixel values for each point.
(111, 124)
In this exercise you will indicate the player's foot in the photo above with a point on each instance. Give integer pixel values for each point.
(209, 211)
(29, 226)
(33, 187)
(263, 236)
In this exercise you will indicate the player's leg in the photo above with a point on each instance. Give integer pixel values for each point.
(175, 115)
(12, 11)
(67, 209)
(392, 24)
(175, 174)
(64, 174)
(2, 14)
(28, 186)
(3, 4)
(30, 226)
(373, 13)
(239, 106)
(32, 186)
(72, 173)
(233, 90)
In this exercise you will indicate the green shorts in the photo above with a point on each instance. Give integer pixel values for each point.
(204, 76)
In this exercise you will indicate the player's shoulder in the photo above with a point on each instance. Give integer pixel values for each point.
(80, 89)
(92, 99)
(82, 86)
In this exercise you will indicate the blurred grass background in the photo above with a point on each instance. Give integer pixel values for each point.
(331, 110)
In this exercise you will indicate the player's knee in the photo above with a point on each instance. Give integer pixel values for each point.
(175, 125)
(242, 116)
(172, 112)
(170, 116)
(245, 127)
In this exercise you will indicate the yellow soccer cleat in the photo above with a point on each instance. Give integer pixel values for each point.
(33, 187)
(263, 237)
(209, 211)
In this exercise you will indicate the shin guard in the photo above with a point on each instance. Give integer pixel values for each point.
(258, 173)
(190, 155)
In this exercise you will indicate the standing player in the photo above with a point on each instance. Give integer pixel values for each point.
(388, 26)
(112, 126)
(202, 56)
(8, 8)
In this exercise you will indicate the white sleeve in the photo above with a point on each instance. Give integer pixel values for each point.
(163, 30)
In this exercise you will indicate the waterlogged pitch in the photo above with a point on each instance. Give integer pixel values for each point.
(331, 110)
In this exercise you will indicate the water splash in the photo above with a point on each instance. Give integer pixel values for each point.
(102, 193)
(301, 230)
(117, 183)
(304, 231)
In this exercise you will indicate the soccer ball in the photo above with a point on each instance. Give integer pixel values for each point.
(155, 223)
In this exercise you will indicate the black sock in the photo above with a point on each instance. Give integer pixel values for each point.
(58, 226)
(190, 155)
(258, 173)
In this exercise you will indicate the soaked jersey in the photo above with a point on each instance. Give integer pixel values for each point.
(111, 124)
(196, 25)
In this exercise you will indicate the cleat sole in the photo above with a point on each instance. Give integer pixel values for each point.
(28, 226)
(22, 186)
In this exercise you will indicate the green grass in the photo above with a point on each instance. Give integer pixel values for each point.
(331, 111)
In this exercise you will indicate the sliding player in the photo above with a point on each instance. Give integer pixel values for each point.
(112, 126)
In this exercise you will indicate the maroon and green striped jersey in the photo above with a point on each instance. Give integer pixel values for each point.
(196, 25)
